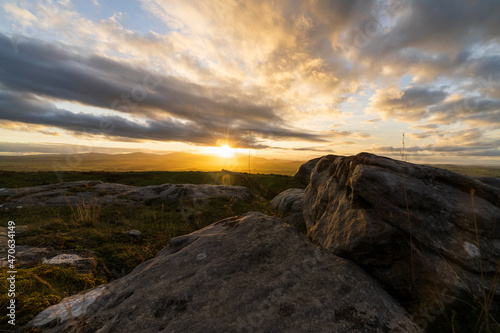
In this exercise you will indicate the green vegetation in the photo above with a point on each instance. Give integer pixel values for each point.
(470, 170)
(266, 186)
(42, 286)
(102, 231)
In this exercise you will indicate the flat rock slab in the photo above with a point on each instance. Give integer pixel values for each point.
(244, 274)
(98, 193)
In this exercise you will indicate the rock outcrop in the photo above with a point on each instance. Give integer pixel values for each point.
(290, 203)
(303, 175)
(99, 193)
(425, 233)
(243, 274)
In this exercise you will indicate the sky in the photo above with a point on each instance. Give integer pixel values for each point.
(287, 78)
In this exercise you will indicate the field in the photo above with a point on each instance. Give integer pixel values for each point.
(146, 162)
(472, 170)
(102, 231)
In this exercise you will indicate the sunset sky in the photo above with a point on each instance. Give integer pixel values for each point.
(308, 78)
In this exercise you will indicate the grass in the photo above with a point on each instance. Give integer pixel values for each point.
(472, 170)
(88, 228)
(466, 315)
(266, 186)
(85, 214)
(34, 295)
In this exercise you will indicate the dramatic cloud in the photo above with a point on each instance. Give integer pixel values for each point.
(482, 110)
(343, 74)
(200, 112)
(410, 104)
(473, 142)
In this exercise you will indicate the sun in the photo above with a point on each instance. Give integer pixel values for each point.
(225, 151)
(221, 150)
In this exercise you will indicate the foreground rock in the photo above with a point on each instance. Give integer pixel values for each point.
(290, 204)
(243, 274)
(98, 193)
(426, 234)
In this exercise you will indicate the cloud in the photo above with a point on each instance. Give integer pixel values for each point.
(283, 68)
(485, 149)
(201, 112)
(23, 15)
(408, 105)
(57, 148)
(29, 109)
(473, 109)
(444, 28)
(468, 142)
(372, 121)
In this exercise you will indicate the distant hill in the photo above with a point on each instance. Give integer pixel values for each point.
(179, 162)
(145, 162)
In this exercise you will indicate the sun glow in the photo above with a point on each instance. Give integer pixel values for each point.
(222, 151)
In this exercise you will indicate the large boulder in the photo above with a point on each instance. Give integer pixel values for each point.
(290, 204)
(243, 274)
(427, 234)
(304, 173)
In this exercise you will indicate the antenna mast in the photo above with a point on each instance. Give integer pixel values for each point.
(249, 139)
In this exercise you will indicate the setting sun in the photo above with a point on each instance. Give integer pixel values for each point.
(225, 151)
(222, 151)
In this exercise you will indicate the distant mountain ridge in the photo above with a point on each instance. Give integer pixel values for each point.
(145, 162)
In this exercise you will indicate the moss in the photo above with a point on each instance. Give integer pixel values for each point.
(40, 287)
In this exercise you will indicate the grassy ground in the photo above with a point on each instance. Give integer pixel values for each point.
(266, 186)
(474, 171)
(102, 231)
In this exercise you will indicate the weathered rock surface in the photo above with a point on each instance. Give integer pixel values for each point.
(424, 234)
(495, 182)
(28, 255)
(244, 274)
(304, 173)
(134, 233)
(99, 193)
(24, 254)
(290, 203)
(84, 265)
